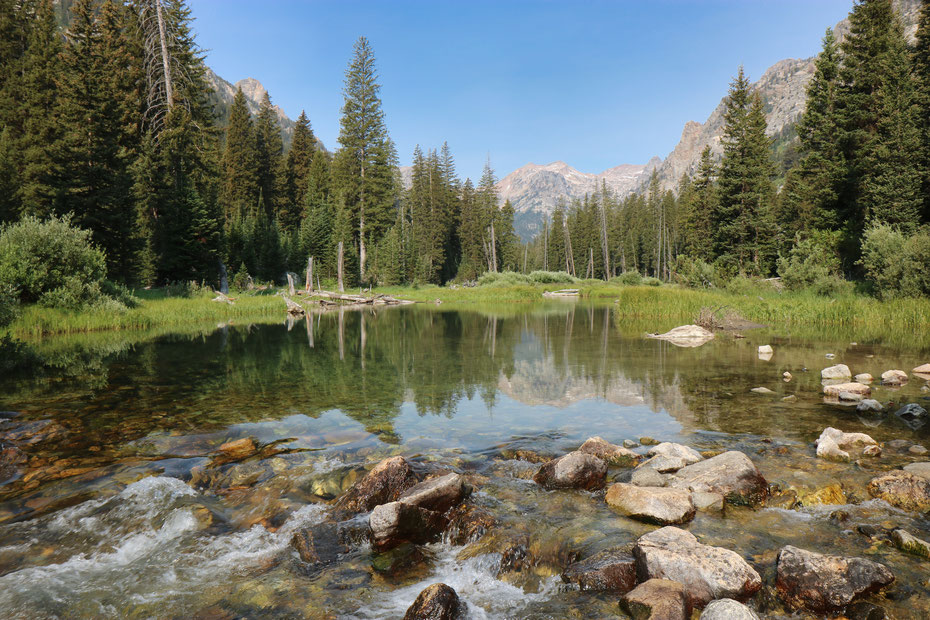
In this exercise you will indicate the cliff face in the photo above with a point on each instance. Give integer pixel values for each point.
(254, 92)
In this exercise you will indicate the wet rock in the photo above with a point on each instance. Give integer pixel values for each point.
(898, 445)
(653, 505)
(609, 453)
(685, 336)
(902, 489)
(437, 494)
(790, 398)
(854, 389)
(894, 377)
(761, 390)
(575, 470)
(872, 451)
(520, 454)
(766, 349)
(917, 450)
(629, 443)
(864, 610)
(319, 544)
(668, 457)
(613, 570)
(850, 397)
(236, 450)
(706, 572)
(657, 599)
(863, 378)
(727, 609)
(923, 369)
(467, 523)
(920, 469)
(831, 494)
(913, 414)
(648, 441)
(832, 441)
(11, 461)
(869, 405)
(840, 371)
(826, 583)
(383, 484)
(708, 502)
(437, 602)
(395, 523)
(403, 561)
(786, 376)
(731, 474)
(905, 541)
(648, 477)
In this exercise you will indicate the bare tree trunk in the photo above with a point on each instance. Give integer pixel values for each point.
(546, 248)
(310, 331)
(339, 267)
(291, 289)
(224, 279)
(169, 87)
(604, 238)
(493, 249)
(309, 283)
(526, 249)
(569, 253)
(341, 334)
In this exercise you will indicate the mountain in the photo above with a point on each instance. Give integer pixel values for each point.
(254, 92)
(534, 190)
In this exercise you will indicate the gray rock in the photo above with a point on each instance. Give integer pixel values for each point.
(902, 489)
(395, 523)
(629, 443)
(706, 572)
(761, 390)
(917, 449)
(840, 371)
(608, 452)
(920, 469)
(575, 470)
(676, 455)
(913, 415)
(613, 570)
(894, 377)
(657, 599)
(383, 484)
(438, 494)
(648, 477)
(905, 541)
(437, 602)
(826, 583)
(731, 474)
(727, 609)
(651, 504)
(869, 405)
(708, 502)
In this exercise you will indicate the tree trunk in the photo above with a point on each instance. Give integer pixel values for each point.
(339, 267)
(224, 279)
(166, 65)
(309, 283)
(493, 249)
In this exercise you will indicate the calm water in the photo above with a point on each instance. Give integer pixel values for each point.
(111, 505)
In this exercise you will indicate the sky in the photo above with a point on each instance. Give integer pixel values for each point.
(592, 83)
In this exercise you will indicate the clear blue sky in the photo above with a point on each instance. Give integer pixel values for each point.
(593, 83)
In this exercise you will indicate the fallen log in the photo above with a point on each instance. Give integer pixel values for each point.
(294, 308)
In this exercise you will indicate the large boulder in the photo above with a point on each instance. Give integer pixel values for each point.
(396, 523)
(921, 469)
(383, 484)
(731, 474)
(613, 570)
(438, 494)
(833, 443)
(608, 452)
(913, 414)
(834, 373)
(706, 572)
(437, 602)
(902, 489)
(575, 470)
(728, 609)
(848, 391)
(667, 457)
(662, 506)
(657, 599)
(685, 336)
(826, 583)
(894, 377)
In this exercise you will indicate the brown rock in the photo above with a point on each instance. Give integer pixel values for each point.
(437, 602)
(894, 377)
(857, 389)
(439, 494)
(662, 506)
(657, 599)
(383, 484)
(468, 523)
(731, 474)
(613, 570)
(575, 470)
(237, 450)
(395, 523)
(609, 453)
(903, 489)
(319, 544)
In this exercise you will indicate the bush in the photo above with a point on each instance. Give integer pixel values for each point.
(813, 264)
(504, 278)
(628, 278)
(915, 276)
(552, 277)
(241, 280)
(695, 273)
(53, 263)
(9, 307)
(650, 281)
(896, 266)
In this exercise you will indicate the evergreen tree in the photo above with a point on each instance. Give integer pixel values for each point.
(297, 173)
(471, 234)
(696, 225)
(555, 252)
(509, 248)
(239, 185)
(269, 148)
(921, 67)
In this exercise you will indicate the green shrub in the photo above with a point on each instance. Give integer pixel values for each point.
(695, 273)
(240, 281)
(55, 264)
(884, 257)
(813, 264)
(650, 281)
(628, 278)
(503, 278)
(552, 277)
(744, 285)
(915, 273)
(9, 307)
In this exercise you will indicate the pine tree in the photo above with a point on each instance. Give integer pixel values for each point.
(487, 201)
(269, 148)
(697, 213)
(297, 173)
(471, 234)
(921, 68)
(509, 248)
(239, 186)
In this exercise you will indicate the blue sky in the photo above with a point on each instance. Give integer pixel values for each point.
(594, 83)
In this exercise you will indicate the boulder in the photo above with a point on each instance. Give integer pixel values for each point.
(575, 470)
(648, 477)
(765, 352)
(667, 457)
(236, 450)
(912, 413)
(437, 602)
(832, 441)
(826, 583)
(383, 484)
(657, 599)
(905, 541)
(609, 453)
(920, 469)
(858, 389)
(319, 544)
(438, 494)
(917, 450)
(869, 405)
(863, 378)
(728, 609)
(661, 506)
(708, 502)
(685, 336)
(761, 390)
(923, 369)
(395, 523)
(786, 376)
(902, 489)
(731, 474)
(613, 570)
(850, 397)
(840, 371)
(706, 572)
(894, 377)
(467, 523)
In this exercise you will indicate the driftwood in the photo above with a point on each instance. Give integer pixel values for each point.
(222, 297)
(377, 300)
(294, 308)
(565, 292)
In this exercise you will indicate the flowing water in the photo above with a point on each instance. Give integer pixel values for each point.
(114, 504)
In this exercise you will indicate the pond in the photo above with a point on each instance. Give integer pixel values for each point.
(115, 501)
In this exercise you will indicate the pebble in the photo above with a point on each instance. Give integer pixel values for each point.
(629, 443)
(786, 376)
(830, 356)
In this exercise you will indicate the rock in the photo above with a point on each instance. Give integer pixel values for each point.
(395, 523)
(909, 543)
(923, 369)
(236, 450)
(786, 376)
(613, 570)
(858, 389)
(850, 397)
(648, 441)
(467, 523)
(829, 356)
(319, 544)
(894, 377)
(383, 484)
(650, 504)
(864, 610)
(437, 602)
(826, 583)
(863, 378)
(708, 502)
(669, 456)
(766, 349)
(840, 371)
(903, 489)
(657, 599)
(648, 477)
(872, 451)
(912, 413)
(685, 336)
(830, 495)
(831, 442)
(917, 449)
(761, 390)
(608, 452)
(731, 474)
(575, 470)
(706, 572)
(790, 398)
(438, 494)
(629, 443)
(727, 609)
(919, 469)
(869, 405)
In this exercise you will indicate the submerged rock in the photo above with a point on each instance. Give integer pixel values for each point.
(613, 570)
(894, 377)
(853, 389)
(905, 541)
(727, 609)
(766, 349)
(319, 544)
(708, 502)
(608, 452)
(920, 469)
(668, 457)
(437, 602)
(902, 489)
(396, 523)
(826, 583)
(467, 523)
(383, 484)
(831, 442)
(661, 506)
(840, 371)
(437, 494)
(575, 470)
(863, 378)
(869, 405)
(706, 572)
(913, 414)
(731, 474)
(761, 390)
(686, 336)
(657, 599)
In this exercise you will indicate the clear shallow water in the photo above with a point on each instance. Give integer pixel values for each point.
(114, 506)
